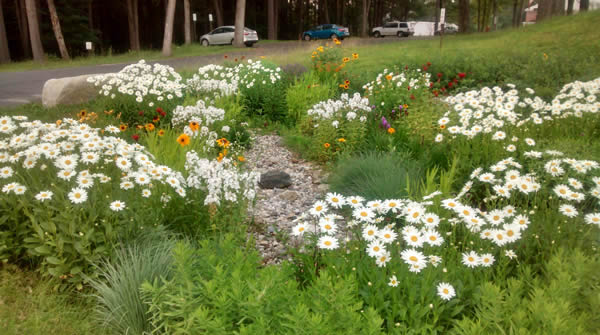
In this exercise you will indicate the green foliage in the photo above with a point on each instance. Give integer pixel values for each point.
(561, 302)
(30, 305)
(206, 294)
(305, 92)
(264, 97)
(374, 175)
(120, 308)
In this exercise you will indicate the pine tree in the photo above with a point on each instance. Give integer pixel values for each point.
(34, 31)
(64, 53)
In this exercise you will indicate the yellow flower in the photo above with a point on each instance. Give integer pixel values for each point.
(354, 56)
(194, 126)
(123, 127)
(545, 56)
(161, 133)
(183, 140)
(149, 127)
(341, 140)
(388, 77)
(391, 130)
(241, 159)
(326, 145)
(320, 49)
(345, 59)
(58, 122)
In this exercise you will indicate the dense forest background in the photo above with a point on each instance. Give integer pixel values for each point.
(109, 24)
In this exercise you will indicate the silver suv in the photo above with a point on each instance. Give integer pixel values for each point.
(394, 28)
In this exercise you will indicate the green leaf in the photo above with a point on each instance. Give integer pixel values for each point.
(75, 270)
(43, 250)
(53, 260)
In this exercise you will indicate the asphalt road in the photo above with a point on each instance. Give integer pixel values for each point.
(26, 86)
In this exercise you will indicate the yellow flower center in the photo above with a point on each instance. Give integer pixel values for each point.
(414, 238)
(327, 243)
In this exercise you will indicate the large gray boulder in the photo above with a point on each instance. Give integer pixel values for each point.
(68, 91)
(274, 179)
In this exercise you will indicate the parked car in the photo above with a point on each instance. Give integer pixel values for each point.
(224, 35)
(326, 31)
(394, 28)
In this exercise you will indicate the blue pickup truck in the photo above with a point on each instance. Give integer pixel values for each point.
(326, 31)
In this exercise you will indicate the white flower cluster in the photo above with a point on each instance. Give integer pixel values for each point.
(224, 81)
(144, 82)
(411, 80)
(491, 110)
(203, 116)
(346, 108)
(222, 180)
(76, 157)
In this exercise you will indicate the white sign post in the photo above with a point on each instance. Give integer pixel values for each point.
(194, 17)
(210, 20)
(88, 45)
(442, 21)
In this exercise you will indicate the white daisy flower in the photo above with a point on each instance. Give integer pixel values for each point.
(117, 205)
(383, 259)
(319, 208)
(487, 260)
(44, 195)
(375, 248)
(370, 232)
(471, 259)
(328, 242)
(568, 210)
(393, 281)
(146, 193)
(592, 218)
(6, 172)
(446, 291)
(77, 195)
(335, 200)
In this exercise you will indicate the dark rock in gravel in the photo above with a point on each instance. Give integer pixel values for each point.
(275, 179)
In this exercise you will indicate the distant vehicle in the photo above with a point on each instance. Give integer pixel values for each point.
(225, 34)
(326, 31)
(394, 28)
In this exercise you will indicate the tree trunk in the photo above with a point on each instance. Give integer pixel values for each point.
(300, 18)
(4, 52)
(64, 54)
(132, 18)
(34, 31)
(272, 34)
(23, 28)
(167, 49)
(520, 13)
(338, 12)
(584, 5)
(464, 20)
(218, 12)
(325, 11)
(186, 21)
(365, 18)
(240, 18)
(495, 18)
(91, 15)
(570, 7)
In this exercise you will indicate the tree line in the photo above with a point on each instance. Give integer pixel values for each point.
(37, 28)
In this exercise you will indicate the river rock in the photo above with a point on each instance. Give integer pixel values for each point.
(275, 179)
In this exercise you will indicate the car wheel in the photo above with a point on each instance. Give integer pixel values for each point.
(399, 34)
(249, 45)
(205, 43)
(333, 36)
(307, 37)
(232, 41)
(376, 34)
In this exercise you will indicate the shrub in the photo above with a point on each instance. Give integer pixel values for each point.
(306, 92)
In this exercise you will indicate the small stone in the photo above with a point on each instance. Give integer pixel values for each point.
(289, 196)
(275, 179)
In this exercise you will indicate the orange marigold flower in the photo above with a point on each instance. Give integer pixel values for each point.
(161, 133)
(58, 122)
(346, 87)
(194, 126)
(391, 130)
(241, 159)
(345, 59)
(123, 127)
(220, 157)
(354, 56)
(388, 77)
(223, 142)
(326, 145)
(442, 126)
(183, 140)
(149, 126)
(347, 82)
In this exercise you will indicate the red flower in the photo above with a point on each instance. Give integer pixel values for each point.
(450, 84)
(428, 64)
(408, 88)
(161, 111)
(439, 75)
(140, 113)
(430, 85)
(412, 97)
(135, 137)
(406, 67)
(425, 68)
(435, 92)
(461, 75)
